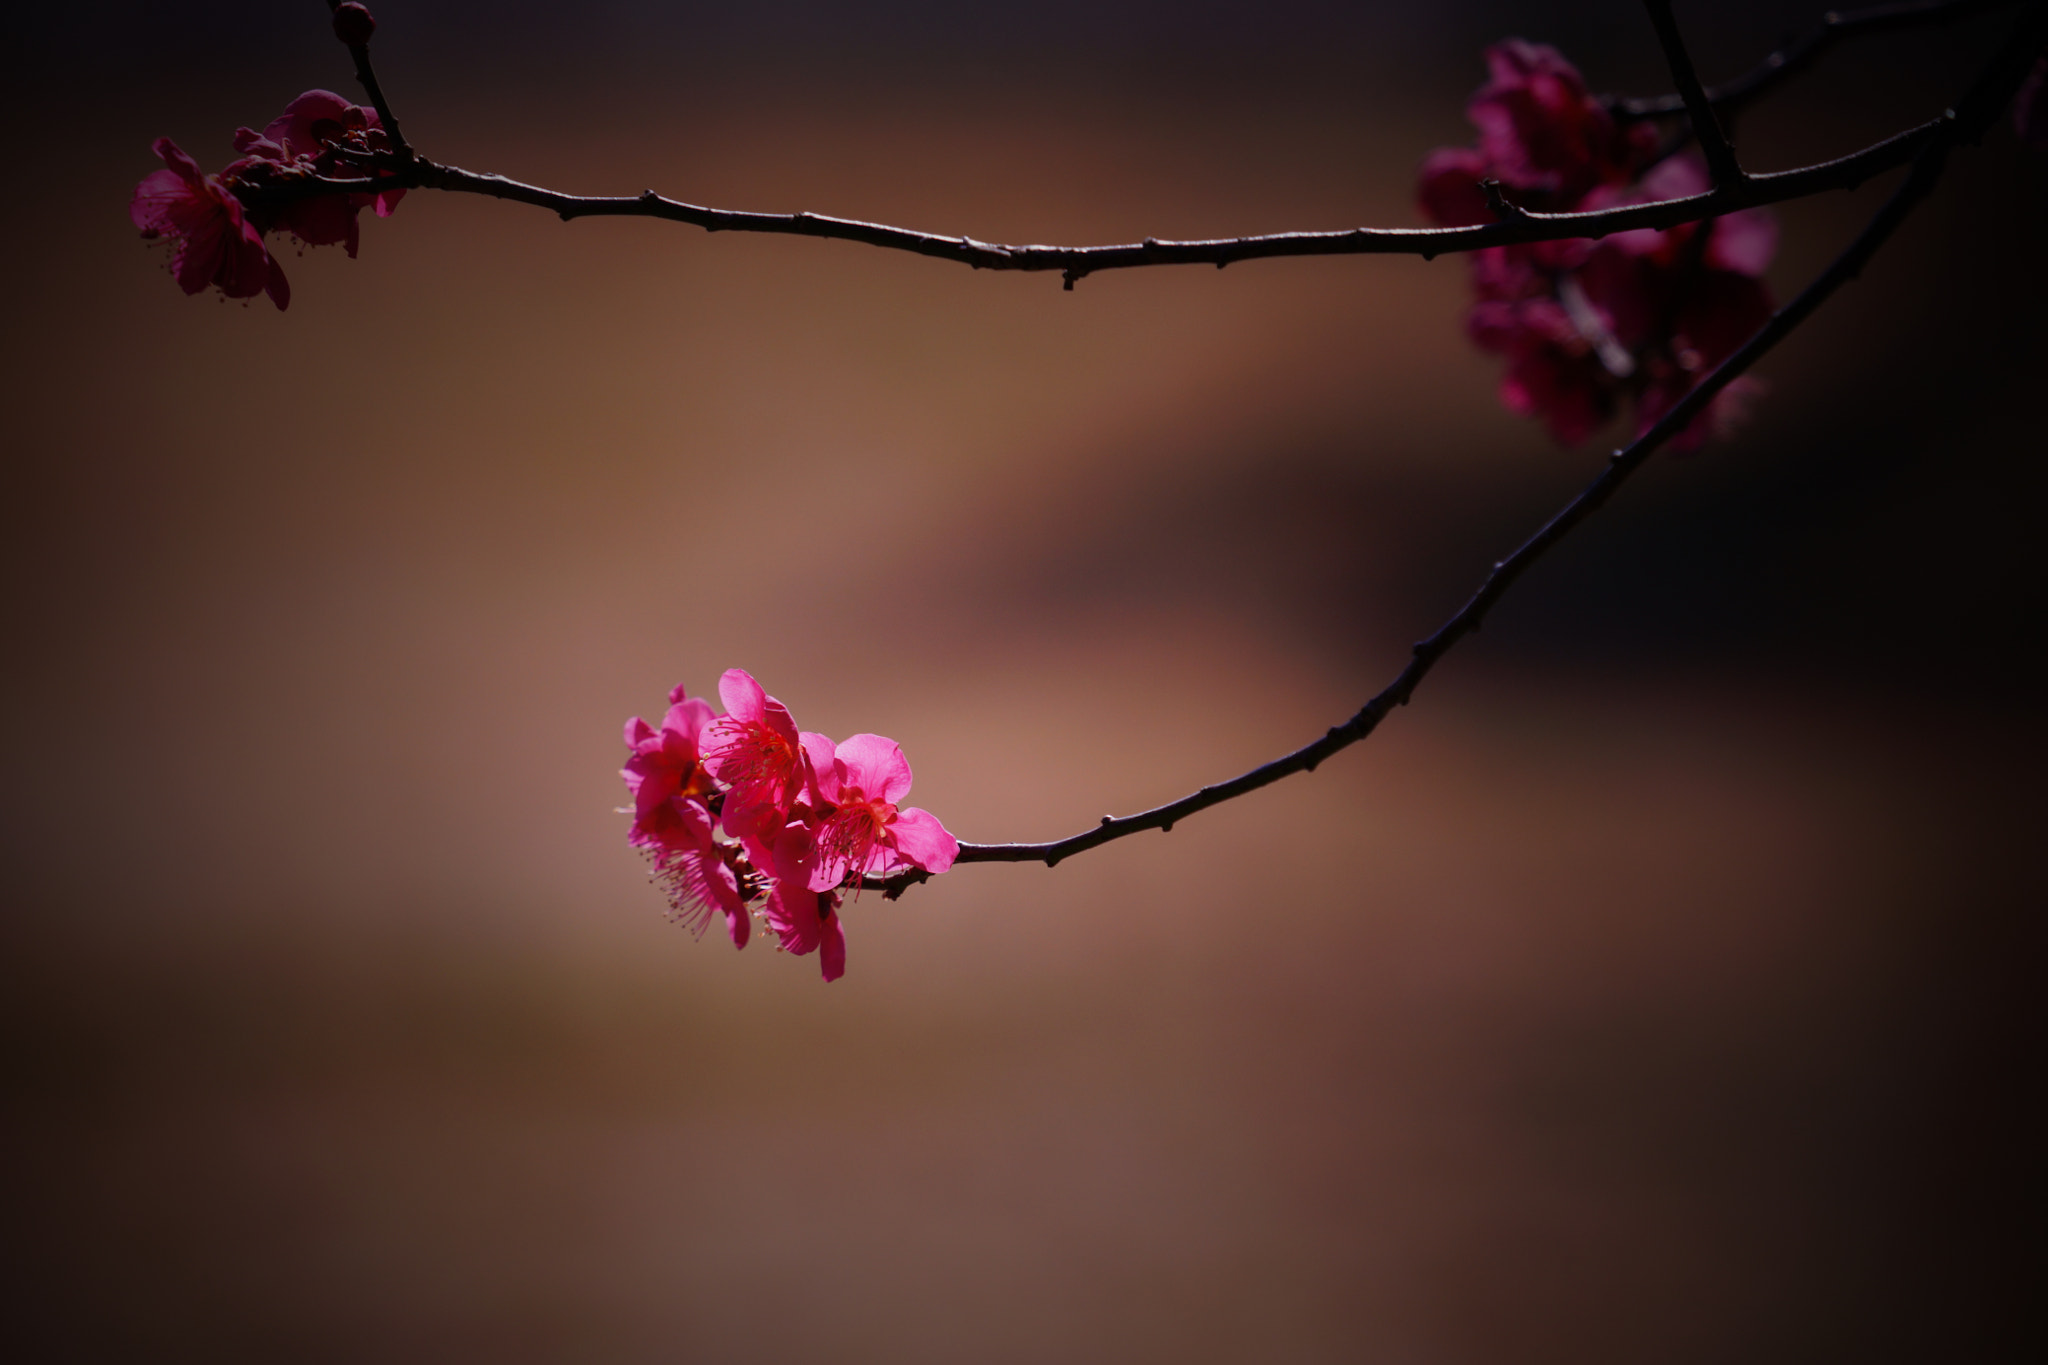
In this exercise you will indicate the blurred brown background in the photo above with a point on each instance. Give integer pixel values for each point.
(1658, 987)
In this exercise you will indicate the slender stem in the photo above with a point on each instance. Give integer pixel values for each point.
(1705, 127)
(1987, 98)
(1075, 262)
(1795, 57)
(366, 76)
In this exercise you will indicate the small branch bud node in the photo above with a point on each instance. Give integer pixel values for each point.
(353, 24)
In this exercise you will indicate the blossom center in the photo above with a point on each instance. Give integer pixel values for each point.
(856, 831)
(750, 754)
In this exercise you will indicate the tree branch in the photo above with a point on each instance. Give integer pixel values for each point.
(404, 168)
(1986, 99)
(1793, 58)
(1075, 262)
(1706, 129)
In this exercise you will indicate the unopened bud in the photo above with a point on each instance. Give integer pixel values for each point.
(353, 24)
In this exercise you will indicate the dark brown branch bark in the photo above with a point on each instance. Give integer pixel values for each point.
(1790, 60)
(1706, 129)
(1986, 100)
(1075, 262)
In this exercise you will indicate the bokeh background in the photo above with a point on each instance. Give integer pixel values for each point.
(1658, 987)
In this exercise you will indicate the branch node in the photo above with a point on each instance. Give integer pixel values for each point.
(1108, 820)
(1498, 202)
(1166, 828)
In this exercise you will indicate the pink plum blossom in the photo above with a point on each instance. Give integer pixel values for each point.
(1585, 326)
(672, 821)
(216, 244)
(755, 749)
(1553, 374)
(219, 239)
(866, 832)
(804, 920)
(1743, 242)
(666, 764)
(802, 818)
(308, 137)
(1543, 133)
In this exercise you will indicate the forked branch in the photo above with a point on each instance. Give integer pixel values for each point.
(1987, 96)
(404, 168)
(1788, 61)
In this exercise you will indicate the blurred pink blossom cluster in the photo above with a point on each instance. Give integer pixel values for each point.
(1585, 326)
(740, 807)
(217, 240)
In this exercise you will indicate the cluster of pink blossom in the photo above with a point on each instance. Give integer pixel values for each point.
(742, 807)
(218, 240)
(1585, 325)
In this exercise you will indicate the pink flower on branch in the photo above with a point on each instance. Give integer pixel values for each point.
(765, 762)
(804, 920)
(743, 807)
(219, 237)
(667, 764)
(215, 243)
(1586, 326)
(1543, 133)
(319, 133)
(672, 817)
(866, 833)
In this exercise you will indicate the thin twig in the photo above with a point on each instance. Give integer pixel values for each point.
(366, 76)
(1987, 98)
(1075, 262)
(1795, 57)
(1706, 129)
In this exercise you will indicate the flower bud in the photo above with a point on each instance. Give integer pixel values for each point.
(353, 24)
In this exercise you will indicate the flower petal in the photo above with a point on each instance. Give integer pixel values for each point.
(174, 157)
(293, 129)
(1743, 242)
(876, 765)
(688, 717)
(743, 697)
(919, 837)
(275, 284)
(822, 767)
(831, 949)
